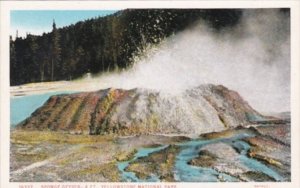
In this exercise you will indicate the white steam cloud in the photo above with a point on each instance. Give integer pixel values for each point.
(252, 58)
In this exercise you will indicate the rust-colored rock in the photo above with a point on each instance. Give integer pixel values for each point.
(204, 109)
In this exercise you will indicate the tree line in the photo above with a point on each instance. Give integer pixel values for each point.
(102, 44)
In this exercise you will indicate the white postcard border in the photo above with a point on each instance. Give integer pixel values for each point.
(7, 6)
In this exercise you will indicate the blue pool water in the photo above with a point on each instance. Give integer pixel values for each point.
(183, 172)
(22, 107)
(253, 164)
(130, 176)
(188, 173)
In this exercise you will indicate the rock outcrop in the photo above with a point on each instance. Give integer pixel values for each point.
(206, 108)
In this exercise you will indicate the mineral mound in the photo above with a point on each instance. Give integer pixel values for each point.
(203, 109)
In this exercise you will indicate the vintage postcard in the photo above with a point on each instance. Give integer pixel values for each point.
(149, 94)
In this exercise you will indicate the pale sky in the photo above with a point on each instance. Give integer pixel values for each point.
(38, 21)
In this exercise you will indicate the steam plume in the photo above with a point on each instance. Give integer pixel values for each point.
(252, 58)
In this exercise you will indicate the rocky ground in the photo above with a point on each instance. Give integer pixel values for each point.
(159, 163)
(221, 157)
(52, 156)
(55, 156)
(270, 145)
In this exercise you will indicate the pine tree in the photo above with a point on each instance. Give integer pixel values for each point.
(44, 58)
(55, 50)
(13, 61)
(33, 66)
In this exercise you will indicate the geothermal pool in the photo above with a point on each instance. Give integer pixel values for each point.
(21, 107)
(187, 173)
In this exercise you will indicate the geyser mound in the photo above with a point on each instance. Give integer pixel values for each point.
(206, 108)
